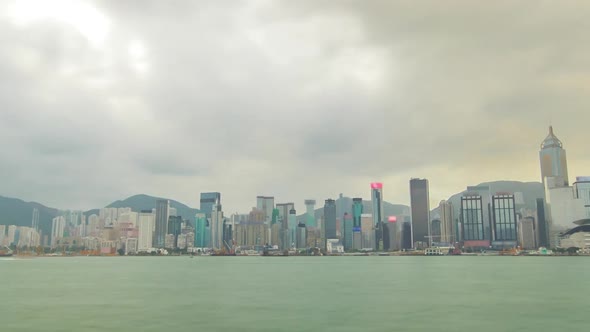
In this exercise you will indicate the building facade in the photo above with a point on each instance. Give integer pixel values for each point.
(330, 219)
(447, 227)
(378, 214)
(208, 201)
(266, 204)
(582, 192)
(161, 227)
(553, 158)
(310, 213)
(504, 222)
(146, 222)
(420, 207)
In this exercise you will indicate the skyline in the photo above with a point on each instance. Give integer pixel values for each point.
(93, 110)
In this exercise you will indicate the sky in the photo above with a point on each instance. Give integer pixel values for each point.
(293, 99)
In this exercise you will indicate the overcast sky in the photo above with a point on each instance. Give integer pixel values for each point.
(296, 99)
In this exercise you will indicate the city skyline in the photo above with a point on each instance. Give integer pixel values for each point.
(94, 111)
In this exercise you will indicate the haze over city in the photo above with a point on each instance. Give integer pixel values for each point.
(306, 99)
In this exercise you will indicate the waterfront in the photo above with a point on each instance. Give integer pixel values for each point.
(293, 294)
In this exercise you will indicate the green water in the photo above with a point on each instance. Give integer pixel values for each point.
(295, 294)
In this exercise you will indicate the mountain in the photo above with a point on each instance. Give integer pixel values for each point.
(530, 192)
(344, 205)
(141, 202)
(14, 211)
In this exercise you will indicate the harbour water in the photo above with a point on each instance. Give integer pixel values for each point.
(294, 294)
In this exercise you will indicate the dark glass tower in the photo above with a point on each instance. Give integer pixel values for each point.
(330, 219)
(420, 205)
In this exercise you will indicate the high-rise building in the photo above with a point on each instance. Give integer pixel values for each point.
(202, 234)
(146, 222)
(562, 207)
(217, 227)
(368, 233)
(553, 158)
(161, 227)
(266, 204)
(208, 201)
(542, 227)
(310, 213)
(35, 221)
(174, 228)
(2, 235)
(378, 216)
(58, 227)
(526, 233)
(407, 237)
(347, 236)
(446, 222)
(283, 219)
(390, 234)
(357, 212)
(420, 205)
(504, 220)
(301, 236)
(330, 219)
(292, 227)
(582, 192)
(472, 221)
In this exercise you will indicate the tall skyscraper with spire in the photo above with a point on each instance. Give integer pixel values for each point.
(553, 159)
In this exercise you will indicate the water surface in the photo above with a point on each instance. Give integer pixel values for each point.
(294, 294)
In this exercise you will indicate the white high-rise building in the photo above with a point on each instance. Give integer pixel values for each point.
(562, 206)
(58, 227)
(217, 228)
(2, 235)
(11, 235)
(145, 224)
(582, 191)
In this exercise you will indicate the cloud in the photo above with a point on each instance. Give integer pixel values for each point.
(299, 100)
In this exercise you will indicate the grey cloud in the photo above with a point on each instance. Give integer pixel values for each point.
(275, 97)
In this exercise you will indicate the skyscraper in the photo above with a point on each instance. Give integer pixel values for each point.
(526, 233)
(357, 212)
(472, 220)
(390, 234)
(35, 221)
(504, 223)
(542, 227)
(266, 204)
(208, 201)
(310, 213)
(201, 231)
(347, 232)
(330, 219)
(161, 227)
(145, 223)
(553, 158)
(292, 227)
(446, 222)
(407, 242)
(582, 191)
(58, 227)
(419, 199)
(283, 218)
(217, 227)
(378, 217)
(301, 237)
(174, 228)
